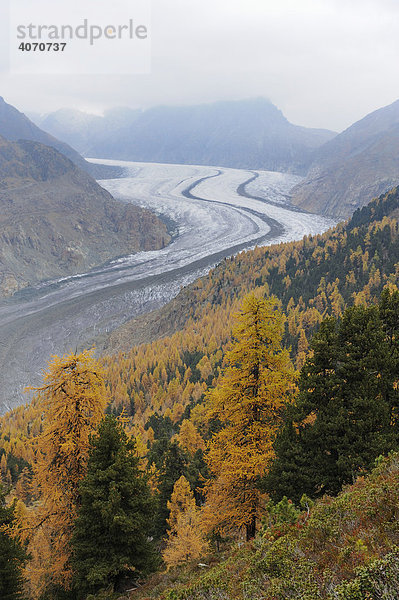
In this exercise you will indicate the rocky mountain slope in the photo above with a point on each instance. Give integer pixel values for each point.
(15, 126)
(251, 134)
(55, 220)
(357, 165)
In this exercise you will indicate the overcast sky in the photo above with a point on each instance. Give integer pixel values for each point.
(324, 63)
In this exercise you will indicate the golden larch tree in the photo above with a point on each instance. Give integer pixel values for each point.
(258, 381)
(72, 399)
(3, 466)
(189, 438)
(185, 539)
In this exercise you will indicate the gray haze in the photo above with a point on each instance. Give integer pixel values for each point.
(324, 63)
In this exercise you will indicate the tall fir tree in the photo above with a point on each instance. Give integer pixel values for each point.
(249, 400)
(346, 412)
(111, 544)
(12, 555)
(171, 462)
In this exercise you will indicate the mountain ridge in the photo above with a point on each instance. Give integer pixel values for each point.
(358, 164)
(249, 133)
(15, 126)
(80, 130)
(56, 220)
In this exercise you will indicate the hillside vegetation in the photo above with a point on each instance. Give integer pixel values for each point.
(233, 428)
(312, 279)
(343, 548)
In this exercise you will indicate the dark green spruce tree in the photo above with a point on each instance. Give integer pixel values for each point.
(172, 464)
(12, 556)
(346, 412)
(111, 547)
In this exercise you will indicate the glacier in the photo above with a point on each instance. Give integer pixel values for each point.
(217, 212)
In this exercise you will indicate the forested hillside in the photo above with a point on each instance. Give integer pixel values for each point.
(213, 427)
(343, 548)
(312, 278)
(319, 274)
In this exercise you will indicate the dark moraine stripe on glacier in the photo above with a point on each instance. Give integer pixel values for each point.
(276, 228)
(242, 191)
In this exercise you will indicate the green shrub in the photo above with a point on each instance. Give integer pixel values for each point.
(377, 581)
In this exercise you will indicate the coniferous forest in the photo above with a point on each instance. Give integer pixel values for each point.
(252, 453)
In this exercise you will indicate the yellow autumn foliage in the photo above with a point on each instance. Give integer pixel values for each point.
(72, 399)
(185, 541)
(256, 385)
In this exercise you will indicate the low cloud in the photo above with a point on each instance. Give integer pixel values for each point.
(325, 63)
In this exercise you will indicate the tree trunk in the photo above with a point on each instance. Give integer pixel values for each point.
(251, 528)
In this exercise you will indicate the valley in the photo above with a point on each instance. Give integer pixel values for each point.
(199, 302)
(217, 212)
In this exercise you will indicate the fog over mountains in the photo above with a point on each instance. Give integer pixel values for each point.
(342, 172)
(84, 131)
(14, 126)
(242, 134)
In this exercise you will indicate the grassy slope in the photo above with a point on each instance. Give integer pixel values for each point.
(313, 558)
